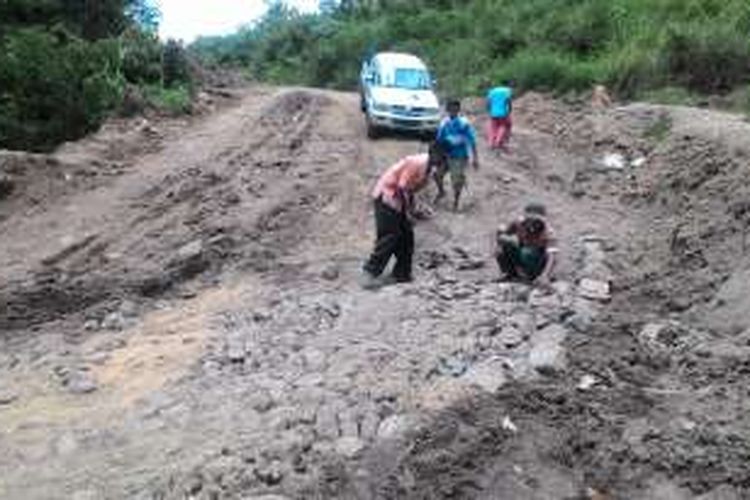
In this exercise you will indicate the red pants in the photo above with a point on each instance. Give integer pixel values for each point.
(498, 131)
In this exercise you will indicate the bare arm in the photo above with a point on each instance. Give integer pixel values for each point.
(549, 267)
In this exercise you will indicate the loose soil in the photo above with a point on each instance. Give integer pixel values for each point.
(180, 315)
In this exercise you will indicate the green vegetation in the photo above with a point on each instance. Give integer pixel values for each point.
(659, 130)
(632, 46)
(65, 65)
(172, 100)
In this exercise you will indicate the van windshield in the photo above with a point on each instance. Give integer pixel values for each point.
(410, 78)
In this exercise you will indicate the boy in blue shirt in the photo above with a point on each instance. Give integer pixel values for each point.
(457, 137)
(499, 107)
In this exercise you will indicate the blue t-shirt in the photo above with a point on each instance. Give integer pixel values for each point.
(457, 137)
(498, 102)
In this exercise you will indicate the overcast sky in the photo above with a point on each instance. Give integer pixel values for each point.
(187, 19)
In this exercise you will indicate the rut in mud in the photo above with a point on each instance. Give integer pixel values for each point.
(185, 323)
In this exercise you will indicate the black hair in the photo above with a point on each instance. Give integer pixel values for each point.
(533, 226)
(453, 101)
(536, 208)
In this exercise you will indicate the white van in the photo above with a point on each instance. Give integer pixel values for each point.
(396, 93)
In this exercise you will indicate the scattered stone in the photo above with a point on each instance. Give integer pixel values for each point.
(508, 425)
(7, 396)
(511, 337)
(271, 475)
(724, 492)
(114, 321)
(368, 426)
(397, 426)
(594, 290)
(488, 375)
(668, 336)
(326, 423)
(91, 325)
(261, 401)
(191, 250)
(7, 186)
(266, 497)
(349, 446)
(547, 354)
(236, 349)
(638, 162)
(452, 366)
(613, 161)
(330, 273)
(80, 382)
(582, 319)
(128, 309)
(586, 383)
(66, 445)
(348, 423)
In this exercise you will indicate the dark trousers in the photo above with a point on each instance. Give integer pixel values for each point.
(395, 237)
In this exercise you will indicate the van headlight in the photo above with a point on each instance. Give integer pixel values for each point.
(378, 106)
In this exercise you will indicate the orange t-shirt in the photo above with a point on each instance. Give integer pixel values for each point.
(409, 174)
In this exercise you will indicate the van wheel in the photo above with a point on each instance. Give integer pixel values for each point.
(373, 132)
(362, 103)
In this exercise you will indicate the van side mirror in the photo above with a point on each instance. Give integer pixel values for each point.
(370, 78)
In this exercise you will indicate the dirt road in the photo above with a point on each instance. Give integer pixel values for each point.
(180, 318)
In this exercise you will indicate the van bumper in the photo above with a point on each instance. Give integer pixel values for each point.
(404, 123)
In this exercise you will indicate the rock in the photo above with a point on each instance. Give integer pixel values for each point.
(349, 446)
(314, 359)
(584, 313)
(327, 423)
(666, 491)
(664, 337)
(236, 349)
(7, 186)
(7, 396)
(586, 383)
(612, 161)
(266, 497)
(508, 425)
(488, 375)
(86, 495)
(80, 382)
(128, 309)
(397, 426)
(368, 427)
(724, 492)
(348, 422)
(512, 337)
(452, 366)
(594, 290)
(270, 475)
(330, 273)
(547, 354)
(114, 321)
(190, 250)
(66, 445)
(444, 392)
(261, 401)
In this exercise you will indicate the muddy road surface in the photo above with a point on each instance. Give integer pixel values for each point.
(180, 315)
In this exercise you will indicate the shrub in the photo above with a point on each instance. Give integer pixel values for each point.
(53, 90)
(141, 57)
(707, 57)
(173, 101)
